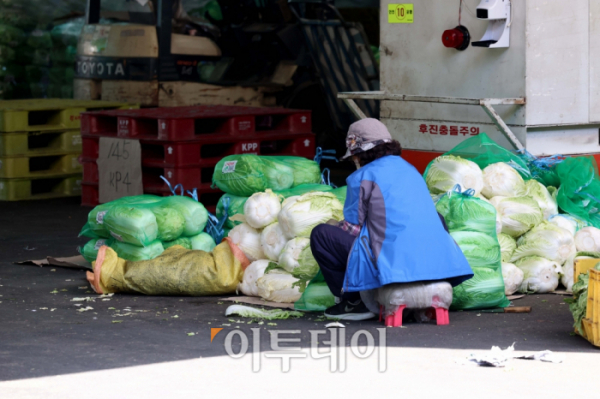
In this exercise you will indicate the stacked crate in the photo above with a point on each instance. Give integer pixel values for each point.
(40, 144)
(184, 144)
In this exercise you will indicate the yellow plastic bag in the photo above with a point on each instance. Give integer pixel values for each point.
(178, 271)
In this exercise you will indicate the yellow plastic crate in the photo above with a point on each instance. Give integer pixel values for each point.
(40, 166)
(49, 114)
(591, 323)
(31, 189)
(40, 143)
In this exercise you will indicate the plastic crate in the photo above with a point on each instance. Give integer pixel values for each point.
(40, 143)
(39, 166)
(211, 149)
(591, 322)
(42, 188)
(48, 114)
(90, 170)
(89, 194)
(189, 123)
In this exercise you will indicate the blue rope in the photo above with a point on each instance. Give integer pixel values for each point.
(468, 192)
(193, 194)
(326, 178)
(214, 227)
(173, 189)
(325, 154)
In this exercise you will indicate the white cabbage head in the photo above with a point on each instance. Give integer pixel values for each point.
(540, 275)
(278, 286)
(518, 214)
(588, 239)
(447, 171)
(252, 273)
(499, 179)
(261, 209)
(299, 216)
(248, 240)
(539, 192)
(565, 222)
(272, 241)
(507, 246)
(513, 278)
(288, 259)
(548, 241)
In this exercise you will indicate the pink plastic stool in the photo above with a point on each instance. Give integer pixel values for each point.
(395, 320)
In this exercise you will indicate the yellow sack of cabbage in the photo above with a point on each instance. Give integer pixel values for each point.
(178, 271)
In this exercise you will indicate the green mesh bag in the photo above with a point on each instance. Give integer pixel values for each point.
(484, 151)
(317, 296)
(95, 228)
(472, 224)
(234, 205)
(244, 175)
(135, 253)
(579, 192)
(306, 171)
(90, 250)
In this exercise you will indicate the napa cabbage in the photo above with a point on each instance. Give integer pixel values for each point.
(513, 278)
(500, 179)
(248, 240)
(272, 241)
(547, 241)
(540, 194)
(252, 273)
(447, 171)
(518, 214)
(261, 209)
(278, 286)
(508, 245)
(299, 215)
(588, 239)
(540, 275)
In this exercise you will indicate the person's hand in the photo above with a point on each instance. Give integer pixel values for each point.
(333, 222)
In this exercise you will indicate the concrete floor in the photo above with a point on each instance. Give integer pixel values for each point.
(43, 335)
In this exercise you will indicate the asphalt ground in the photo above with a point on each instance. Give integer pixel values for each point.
(42, 333)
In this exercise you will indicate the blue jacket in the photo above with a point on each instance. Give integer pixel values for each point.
(402, 238)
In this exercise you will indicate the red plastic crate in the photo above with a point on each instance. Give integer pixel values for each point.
(189, 123)
(209, 151)
(89, 194)
(90, 170)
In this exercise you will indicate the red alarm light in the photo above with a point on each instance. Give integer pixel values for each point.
(458, 38)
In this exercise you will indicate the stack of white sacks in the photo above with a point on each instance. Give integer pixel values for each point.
(539, 245)
(275, 235)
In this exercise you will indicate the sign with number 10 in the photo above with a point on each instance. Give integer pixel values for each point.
(400, 13)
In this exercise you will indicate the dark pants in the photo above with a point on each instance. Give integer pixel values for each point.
(331, 246)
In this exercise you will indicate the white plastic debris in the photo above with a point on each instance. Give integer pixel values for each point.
(497, 357)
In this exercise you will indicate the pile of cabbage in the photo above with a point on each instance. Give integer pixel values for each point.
(538, 244)
(274, 234)
(141, 227)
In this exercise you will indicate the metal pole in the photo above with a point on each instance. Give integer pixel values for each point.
(92, 12)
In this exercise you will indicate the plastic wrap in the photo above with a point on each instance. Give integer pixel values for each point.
(417, 295)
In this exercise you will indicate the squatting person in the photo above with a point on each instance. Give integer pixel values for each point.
(391, 231)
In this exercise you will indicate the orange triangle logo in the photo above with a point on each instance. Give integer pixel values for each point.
(214, 332)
